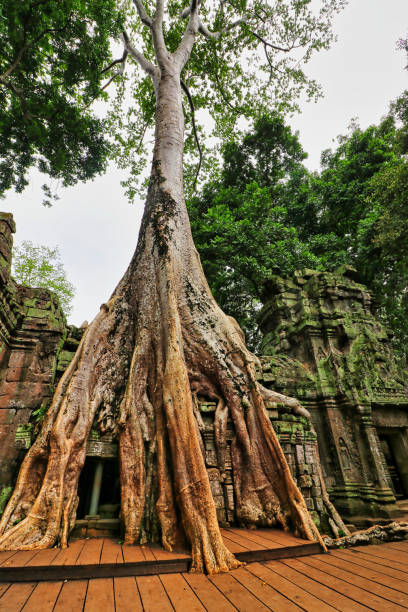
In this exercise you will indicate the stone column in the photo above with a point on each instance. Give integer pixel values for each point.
(96, 489)
(7, 229)
(383, 491)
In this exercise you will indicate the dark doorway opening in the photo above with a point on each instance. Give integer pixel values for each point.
(386, 442)
(108, 505)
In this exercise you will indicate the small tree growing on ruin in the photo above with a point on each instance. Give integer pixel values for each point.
(36, 265)
(161, 341)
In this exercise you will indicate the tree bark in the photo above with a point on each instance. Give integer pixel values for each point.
(160, 341)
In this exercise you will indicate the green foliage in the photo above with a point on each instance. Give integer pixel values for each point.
(41, 266)
(241, 224)
(51, 60)
(385, 232)
(359, 200)
(5, 495)
(255, 63)
(264, 213)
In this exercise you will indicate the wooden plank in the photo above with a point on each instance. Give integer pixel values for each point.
(345, 588)
(6, 554)
(402, 567)
(164, 555)
(111, 552)
(238, 595)
(72, 596)
(148, 553)
(99, 596)
(132, 553)
(283, 552)
(21, 558)
(386, 553)
(180, 594)
(91, 552)
(241, 540)
(284, 538)
(263, 589)
(68, 556)
(374, 575)
(374, 595)
(153, 595)
(337, 600)
(127, 598)
(43, 557)
(294, 592)
(402, 546)
(43, 597)
(253, 536)
(208, 594)
(15, 597)
(232, 546)
(370, 563)
(4, 587)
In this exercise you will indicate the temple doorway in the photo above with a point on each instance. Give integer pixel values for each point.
(396, 462)
(99, 489)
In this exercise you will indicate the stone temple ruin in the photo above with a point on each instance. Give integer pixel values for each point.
(326, 348)
(322, 345)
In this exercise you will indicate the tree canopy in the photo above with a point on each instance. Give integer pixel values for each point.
(52, 57)
(249, 57)
(243, 221)
(351, 212)
(36, 265)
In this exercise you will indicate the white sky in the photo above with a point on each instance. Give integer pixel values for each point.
(96, 228)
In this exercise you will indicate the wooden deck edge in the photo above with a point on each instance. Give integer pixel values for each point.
(82, 572)
(286, 552)
(42, 573)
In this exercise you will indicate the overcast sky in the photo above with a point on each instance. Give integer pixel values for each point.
(96, 228)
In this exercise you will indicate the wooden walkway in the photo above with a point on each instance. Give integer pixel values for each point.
(360, 579)
(105, 558)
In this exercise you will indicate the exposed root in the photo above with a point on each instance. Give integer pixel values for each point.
(158, 343)
(393, 532)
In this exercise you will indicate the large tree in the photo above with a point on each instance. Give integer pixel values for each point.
(161, 340)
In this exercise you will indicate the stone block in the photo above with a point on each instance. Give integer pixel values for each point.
(310, 503)
(305, 480)
(300, 454)
(211, 458)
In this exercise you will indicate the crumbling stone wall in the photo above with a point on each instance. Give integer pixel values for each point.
(35, 347)
(326, 347)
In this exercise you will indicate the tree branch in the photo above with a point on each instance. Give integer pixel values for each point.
(268, 44)
(216, 35)
(139, 57)
(200, 153)
(116, 61)
(144, 17)
(187, 42)
(119, 71)
(158, 38)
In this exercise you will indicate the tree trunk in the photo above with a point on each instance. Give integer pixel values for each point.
(160, 341)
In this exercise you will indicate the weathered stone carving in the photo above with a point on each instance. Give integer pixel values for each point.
(327, 348)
